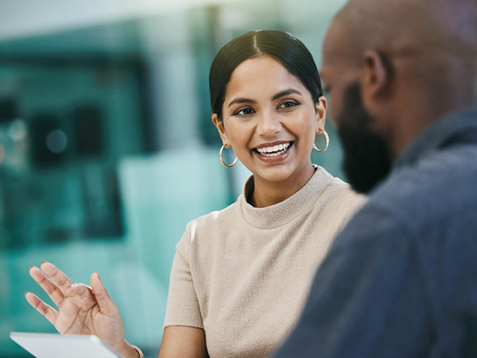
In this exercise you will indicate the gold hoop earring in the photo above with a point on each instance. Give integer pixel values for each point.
(327, 139)
(221, 158)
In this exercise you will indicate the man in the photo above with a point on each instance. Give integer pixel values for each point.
(401, 279)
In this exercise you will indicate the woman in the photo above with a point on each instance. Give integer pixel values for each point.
(241, 276)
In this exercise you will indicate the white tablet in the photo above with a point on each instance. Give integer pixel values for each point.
(44, 345)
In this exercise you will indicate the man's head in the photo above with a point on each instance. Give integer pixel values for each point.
(391, 68)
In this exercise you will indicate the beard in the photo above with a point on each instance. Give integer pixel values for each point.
(366, 154)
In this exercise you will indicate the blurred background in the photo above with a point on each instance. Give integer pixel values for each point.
(106, 145)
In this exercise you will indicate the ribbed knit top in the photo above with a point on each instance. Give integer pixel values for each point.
(243, 274)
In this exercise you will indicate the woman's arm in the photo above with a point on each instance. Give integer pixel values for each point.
(183, 342)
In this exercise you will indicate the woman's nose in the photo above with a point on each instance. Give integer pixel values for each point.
(269, 125)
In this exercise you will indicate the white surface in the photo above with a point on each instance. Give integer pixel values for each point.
(43, 345)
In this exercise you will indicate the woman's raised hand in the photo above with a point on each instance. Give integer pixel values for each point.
(81, 309)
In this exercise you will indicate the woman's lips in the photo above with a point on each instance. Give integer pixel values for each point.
(275, 156)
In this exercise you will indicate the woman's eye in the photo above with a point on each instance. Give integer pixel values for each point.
(243, 112)
(289, 104)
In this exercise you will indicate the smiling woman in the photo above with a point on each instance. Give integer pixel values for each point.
(240, 276)
(270, 119)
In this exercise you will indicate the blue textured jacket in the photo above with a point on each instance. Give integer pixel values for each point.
(401, 279)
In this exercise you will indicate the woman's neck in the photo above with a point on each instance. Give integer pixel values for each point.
(267, 193)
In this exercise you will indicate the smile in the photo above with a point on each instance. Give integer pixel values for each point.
(274, 151)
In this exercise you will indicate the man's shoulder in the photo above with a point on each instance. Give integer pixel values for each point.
(439, 185)
(433, 201)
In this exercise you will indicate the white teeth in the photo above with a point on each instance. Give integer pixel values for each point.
(275, 150)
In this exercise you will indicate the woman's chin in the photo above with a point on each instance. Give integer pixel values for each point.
(276, 173)
(283, 172)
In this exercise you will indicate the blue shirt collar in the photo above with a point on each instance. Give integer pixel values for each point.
(453, 126)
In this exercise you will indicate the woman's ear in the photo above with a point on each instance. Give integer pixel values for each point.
(321, 107)
(221, 129)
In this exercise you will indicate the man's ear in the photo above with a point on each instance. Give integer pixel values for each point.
(221, 129)
(321, 107)
(376, 75)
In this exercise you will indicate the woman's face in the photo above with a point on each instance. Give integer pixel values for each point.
(270, 120)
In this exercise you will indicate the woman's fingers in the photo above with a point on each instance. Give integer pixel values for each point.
(79, 290)
(49, 287)
(47, 311)
(105, 302)
(58, 277)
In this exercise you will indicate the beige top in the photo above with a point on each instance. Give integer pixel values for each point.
(243, 274)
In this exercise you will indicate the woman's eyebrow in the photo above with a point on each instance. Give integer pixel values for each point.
(275, 97)
(285, 93)
(242, 100)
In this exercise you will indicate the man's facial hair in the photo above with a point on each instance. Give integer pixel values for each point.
(366, 154)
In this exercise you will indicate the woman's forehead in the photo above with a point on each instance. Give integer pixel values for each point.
(261, 76)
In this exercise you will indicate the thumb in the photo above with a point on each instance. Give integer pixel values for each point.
(105, 302)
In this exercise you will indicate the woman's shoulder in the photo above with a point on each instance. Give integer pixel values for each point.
(217, 217)
(343, 199)
(337, 196)
(209, 225)
(342, 187)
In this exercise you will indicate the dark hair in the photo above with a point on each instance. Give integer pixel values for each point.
(281, 46)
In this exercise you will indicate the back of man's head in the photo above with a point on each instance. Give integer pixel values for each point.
(395, 67)
(435, 40)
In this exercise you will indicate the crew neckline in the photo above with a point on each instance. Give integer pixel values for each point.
(284, 212)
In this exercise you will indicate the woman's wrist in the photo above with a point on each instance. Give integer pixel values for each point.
(130, 351)
(138, 351)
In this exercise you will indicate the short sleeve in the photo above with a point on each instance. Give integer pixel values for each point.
(182, 303)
